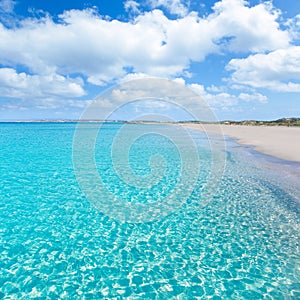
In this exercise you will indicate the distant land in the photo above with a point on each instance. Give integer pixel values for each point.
(279, 122)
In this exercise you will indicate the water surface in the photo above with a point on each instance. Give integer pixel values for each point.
(242, 244)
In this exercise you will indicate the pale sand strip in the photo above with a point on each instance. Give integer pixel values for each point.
(279, 141)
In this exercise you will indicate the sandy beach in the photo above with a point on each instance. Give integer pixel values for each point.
(279, 141)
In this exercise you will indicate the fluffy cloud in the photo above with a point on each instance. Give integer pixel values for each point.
(83, 42)
(155, 94)
(175, 7)
(132, 6)
(278, 70)
(225, 100)
(293, 25)
(102, 50)
(22, 85)
(246, 28)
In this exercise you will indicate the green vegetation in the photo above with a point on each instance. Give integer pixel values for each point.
(279, 122)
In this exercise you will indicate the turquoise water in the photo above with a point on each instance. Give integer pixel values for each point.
(242, 244)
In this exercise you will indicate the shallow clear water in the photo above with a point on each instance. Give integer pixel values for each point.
(242, 244)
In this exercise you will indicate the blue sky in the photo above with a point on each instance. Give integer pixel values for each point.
(241, 57)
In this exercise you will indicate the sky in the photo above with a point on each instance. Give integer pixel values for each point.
(241, 57)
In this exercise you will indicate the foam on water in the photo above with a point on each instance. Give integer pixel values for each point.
(242, 244)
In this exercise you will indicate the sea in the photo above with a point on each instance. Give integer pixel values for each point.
(144, 211)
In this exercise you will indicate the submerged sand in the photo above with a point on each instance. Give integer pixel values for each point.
(279, 141)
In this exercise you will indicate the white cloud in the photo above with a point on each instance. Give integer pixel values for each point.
(253, 97)
(198, 88)
(22, 85)
(293, 25)
(54, 105)
(148, 91)
(101, 49)
(58, 104)
(175, 7)
(278, 70)
(7, 16)
(7, 6)
(224, 100)
(179, 80)
(132, 6)
(132, 76)
(216, 89)
(243, 28)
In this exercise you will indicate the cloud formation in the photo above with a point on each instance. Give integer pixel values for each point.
(60, 56)
(175, 7)
(83, 42)
(132, 6)
(226, 100)
(278, 70)
(22, 85)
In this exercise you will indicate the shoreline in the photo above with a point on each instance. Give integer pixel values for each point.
(281, 142)
(278, 141)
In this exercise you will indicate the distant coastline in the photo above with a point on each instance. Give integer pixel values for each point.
(278, 122)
